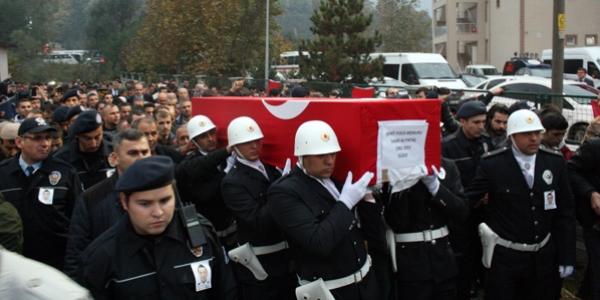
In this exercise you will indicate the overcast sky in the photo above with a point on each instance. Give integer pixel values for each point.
(426, 5)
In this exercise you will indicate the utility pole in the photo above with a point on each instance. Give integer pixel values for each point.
(558, 50)
(267, 49)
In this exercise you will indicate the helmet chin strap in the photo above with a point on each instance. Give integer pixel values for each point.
(301, 165)
(204, 152)
(239, 154)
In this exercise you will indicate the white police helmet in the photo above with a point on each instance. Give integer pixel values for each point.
(242, 130)
(523, 120)
(199, 125)
(315, 138)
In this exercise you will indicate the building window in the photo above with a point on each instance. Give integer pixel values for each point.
(591, 39)
(571, 40)
(487, 11)
(497, 3)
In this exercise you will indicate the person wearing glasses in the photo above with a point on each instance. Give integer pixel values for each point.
(25, 178)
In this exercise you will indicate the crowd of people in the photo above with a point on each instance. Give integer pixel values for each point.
(113, 192)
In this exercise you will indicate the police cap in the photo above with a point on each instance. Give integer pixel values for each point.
(60, 114)
(74, 111)
(518, 106)
(147, 174)
(299, 92)
(69, 94)
(34, 125)
(86, 121)
(470, 109)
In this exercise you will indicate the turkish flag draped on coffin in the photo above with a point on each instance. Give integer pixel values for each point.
(355, 123)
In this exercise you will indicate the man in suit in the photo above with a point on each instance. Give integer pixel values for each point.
(245, 193)
(326, 224)
(581, 72)
(525, 241)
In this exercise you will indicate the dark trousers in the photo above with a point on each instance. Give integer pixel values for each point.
(275, 288)
(591, 237)
(422, 290)
(501, 287)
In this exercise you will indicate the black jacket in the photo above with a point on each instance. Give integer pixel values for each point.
(199, 181)
(416, 210)
(516, 212)
(465, 153)
(170, 152)
(91, 170)
(245, 193)
(96, 210)
(585, 179)
(123, 265)
(323, 233)
(45, 226)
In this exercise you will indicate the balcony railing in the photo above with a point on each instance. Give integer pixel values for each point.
(466, 27)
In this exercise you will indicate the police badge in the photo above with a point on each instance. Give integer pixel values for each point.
(197, 251)
(54, 177)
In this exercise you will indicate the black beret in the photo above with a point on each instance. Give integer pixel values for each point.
(75, 110)
(34, 125)
(470, 109)
(299, 92)
(69, 94)
(432, 95)
(60, 114)
(147, 174)
(86, 121)
(518, 106)
(400, 96)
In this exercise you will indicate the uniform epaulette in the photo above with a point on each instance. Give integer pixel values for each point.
(551, 151)
(449, 138)
(492, 153)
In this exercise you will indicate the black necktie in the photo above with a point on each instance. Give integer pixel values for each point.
(29, 171)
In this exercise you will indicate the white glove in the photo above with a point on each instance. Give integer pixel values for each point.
(432, 183)
(230, 162)
(287, 168)
(565, 271)
(352, 193)
(441, 174)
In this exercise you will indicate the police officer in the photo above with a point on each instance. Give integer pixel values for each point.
(529, 232)
(99, 207)
(70, 98)
(585, 181)
(200, 174)
(43, 189)
(319, 219)
(245, 193)
(418, 216)
(87, 151)
(465, 147)
(59, 116)
(149, 253)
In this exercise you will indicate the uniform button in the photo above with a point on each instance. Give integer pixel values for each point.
(531, 194)
(536, 237)
(433, 242)
(533, 208)
(315, 278)
(359, 260)
(430, 226)
(354, 243)
(402, 247)
(507, 190)
(429, 208)
(350, 228)
(261, 194)
(535, 223)
(353, 222)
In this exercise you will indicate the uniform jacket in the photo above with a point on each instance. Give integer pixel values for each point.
(45, 226)
(123, 265)
(585, 179)
(170, 152)
(199, 181)
(245, 193)
(416, 210)
(89, 173)
(96, 210)
(323, 233)
(465, 153)
(516, 212)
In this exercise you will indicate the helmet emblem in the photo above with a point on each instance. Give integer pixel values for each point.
(529, 120)
(202, 123)
(325, 137)
(250, 128)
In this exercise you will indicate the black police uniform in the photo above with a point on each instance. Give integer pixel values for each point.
(45, 226)
(245, 193)
(121, 264)
(91, 167)
(199, 181)
(517, 213)
(427, 269)
(323, 233)
(96, 210)
(170, 152)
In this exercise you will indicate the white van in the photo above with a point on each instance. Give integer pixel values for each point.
(486, 70)
(581, 57)
(425, 69)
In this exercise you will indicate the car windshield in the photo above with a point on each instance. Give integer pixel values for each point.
(575, 90)
(434, 71)
(490, 71)
(472, 80)
(547, 73)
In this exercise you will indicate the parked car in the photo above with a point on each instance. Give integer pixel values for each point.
(577, 110)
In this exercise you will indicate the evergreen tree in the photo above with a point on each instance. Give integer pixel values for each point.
(339, 51)
(403, 26)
